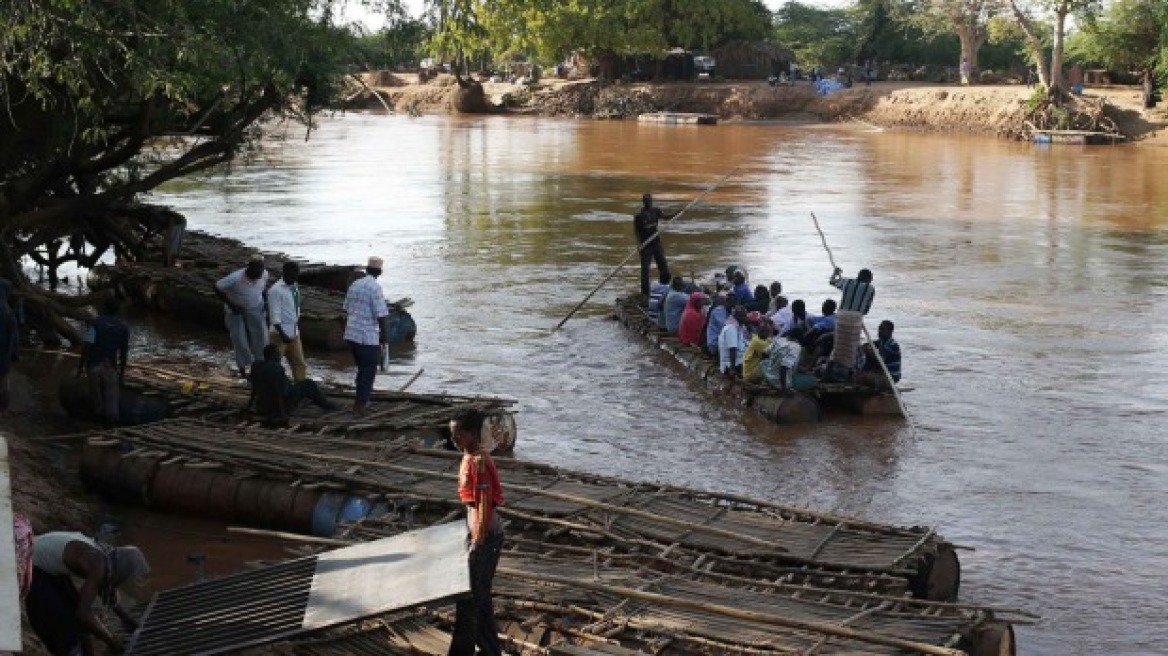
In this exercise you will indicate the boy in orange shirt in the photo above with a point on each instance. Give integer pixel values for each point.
(480, 490)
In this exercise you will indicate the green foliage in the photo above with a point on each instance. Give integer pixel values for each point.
(1128, 36)
(547, 30)
(105, 100)
(819, 37)
(403, 42)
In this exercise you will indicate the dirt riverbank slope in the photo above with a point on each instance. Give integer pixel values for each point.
(987, 110)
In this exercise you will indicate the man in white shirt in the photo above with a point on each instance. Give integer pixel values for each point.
(732, 343)
(366, 330)
(243, 294)
(284, 317)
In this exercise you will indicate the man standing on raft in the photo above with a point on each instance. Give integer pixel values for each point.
(646, 223)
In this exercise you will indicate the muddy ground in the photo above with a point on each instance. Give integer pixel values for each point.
(987, 110)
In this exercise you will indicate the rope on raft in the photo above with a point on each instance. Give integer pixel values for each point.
(883, 367)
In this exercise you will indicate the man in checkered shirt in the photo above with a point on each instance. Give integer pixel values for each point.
(366, 329)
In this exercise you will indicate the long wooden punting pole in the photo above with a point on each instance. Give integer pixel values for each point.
(826, 628)
(867, 336)
(643, 244)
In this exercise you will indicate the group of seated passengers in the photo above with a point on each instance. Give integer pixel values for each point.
(757, 336)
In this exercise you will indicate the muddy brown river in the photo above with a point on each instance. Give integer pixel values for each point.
(1028, 286)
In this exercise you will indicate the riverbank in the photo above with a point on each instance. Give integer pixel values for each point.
(981, 110)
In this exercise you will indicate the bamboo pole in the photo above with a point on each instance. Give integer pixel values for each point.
(289, 537)
(826, 628)
(643, 244)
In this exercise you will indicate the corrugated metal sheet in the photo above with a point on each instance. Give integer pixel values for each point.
(302, 595)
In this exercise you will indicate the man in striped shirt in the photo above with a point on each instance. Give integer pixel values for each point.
(858, 291)
(857, 298)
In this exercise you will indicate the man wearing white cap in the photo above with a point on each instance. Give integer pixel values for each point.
(243, 292)
(366, 329)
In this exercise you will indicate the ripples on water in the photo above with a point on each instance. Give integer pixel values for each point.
(1027, 286)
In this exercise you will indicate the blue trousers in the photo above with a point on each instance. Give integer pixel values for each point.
(474, 623)
(366, 357)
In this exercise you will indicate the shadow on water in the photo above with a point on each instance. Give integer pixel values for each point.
(1026, 285)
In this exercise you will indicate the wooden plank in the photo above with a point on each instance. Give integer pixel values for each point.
(386, 575)
(9, 584)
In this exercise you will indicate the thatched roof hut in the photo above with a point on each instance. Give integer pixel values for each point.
(751, 60)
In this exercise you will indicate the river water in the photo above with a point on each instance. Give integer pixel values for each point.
(1027, 285)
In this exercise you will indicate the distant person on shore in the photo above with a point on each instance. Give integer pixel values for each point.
(1149, 89)
(675, 303)
(480, 490)
(103, 360)
(9, 346)
(366, 330)
(61, 615)
(646, 223)
(274, 396)
(689, 331)
(1031, 77)
(1075, 79)
(966, 72)
(889, 351)
(284, 317)
(732, 343)
(243, 292)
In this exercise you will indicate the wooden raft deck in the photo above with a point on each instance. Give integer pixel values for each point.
(726, 531)
(599, 562)
(678, 118)
(765, 400)
(415, 417)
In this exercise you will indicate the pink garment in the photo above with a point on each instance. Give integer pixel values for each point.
(692, 321)
(24, 538)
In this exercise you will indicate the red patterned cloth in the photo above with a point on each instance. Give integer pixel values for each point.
(23, 533)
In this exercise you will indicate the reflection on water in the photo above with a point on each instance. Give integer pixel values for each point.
(1027, 286)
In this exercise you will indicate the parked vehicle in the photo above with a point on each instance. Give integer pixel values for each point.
(704, 67)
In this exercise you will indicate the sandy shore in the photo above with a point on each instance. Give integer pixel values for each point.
(986, 110)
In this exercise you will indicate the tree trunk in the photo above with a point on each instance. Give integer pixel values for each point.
(1033, 42)
(1056, 55)
(971, 42)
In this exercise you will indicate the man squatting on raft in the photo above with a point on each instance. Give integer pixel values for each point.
(61, 615)
(479, 488)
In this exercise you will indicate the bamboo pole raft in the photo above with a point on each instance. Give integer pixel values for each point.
(797, 407)
(726, 533)
(554, 601)
(202, 250)
(178, 390)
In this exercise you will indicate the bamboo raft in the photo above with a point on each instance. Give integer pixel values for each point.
(722, 533)
(550, 602)
(202, 250)
(1077, 137)
(798, 407)
(397, 415)
(678, 118)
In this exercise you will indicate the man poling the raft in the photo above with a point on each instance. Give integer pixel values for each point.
(643, 244)
(864, 296)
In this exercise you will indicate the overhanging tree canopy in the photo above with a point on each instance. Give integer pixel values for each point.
(106, 99)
